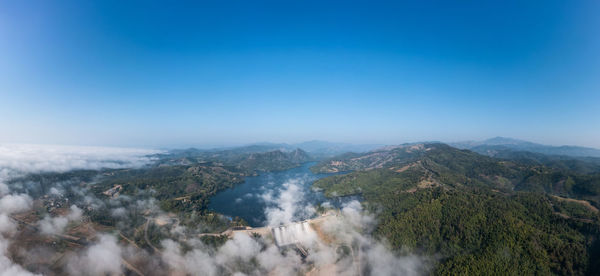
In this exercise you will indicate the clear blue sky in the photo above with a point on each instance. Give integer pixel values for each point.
(163, 74)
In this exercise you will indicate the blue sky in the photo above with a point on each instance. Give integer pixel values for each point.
(162, 74)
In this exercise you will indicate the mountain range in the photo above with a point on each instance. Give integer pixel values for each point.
(479, 215)
(497, 145)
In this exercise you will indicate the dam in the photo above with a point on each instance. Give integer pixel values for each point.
(293, 233)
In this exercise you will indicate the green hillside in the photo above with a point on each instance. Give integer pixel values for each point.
(476, 214)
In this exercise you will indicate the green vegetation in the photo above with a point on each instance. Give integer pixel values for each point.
(214, 241)
(181, 182)
(184, 181)
(369, 183)
(273, 160)
(177, 188)
(247, 159)
(474, 214)
(482, 232)
(478, 215)
(39, 184)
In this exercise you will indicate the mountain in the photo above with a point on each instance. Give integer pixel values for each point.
(317, 150)
(324, 149)
(494, 145)
(273, 160)
(479, 215)
(442, 165)
(377, 158)
(248, 158)
(462, 212)
(429, 165)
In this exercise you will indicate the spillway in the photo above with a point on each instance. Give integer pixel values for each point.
(293, 233)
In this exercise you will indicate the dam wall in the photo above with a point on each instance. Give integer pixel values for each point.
(293, 233)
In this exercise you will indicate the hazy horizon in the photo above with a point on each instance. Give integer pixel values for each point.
(150, 74)
(234, 145)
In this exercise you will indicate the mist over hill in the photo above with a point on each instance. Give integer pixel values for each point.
(316, 149)
(494, 146)
(418, 208)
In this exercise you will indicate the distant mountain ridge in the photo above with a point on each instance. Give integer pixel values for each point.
(248, 159)
(316, 149)
(276, 160)
(494, 146)
(439, 164)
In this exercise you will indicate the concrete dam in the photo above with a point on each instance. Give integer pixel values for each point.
(292, 234)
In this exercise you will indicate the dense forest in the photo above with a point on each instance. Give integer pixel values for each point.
(183, 182)
(477, 214)
(515, 213)
(248, 159)
(180, 181)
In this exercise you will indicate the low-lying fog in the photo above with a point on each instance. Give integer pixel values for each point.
(341, 244)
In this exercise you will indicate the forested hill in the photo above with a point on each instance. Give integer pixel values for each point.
(582, 165)
(442, 165)
(490, 146)
(249, 159)
(480, 215)
(182, 182)
(272, 160)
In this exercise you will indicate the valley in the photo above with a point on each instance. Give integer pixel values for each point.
(477, 214)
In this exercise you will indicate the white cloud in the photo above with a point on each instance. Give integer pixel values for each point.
(7, 267)
(375, 257)
(195, 262)
(16, 160)
(56, 225)
(10, 204)
(55, 191)
(118, 212)
(3, 188)
(244, 255)
(6, 225)
(287, 205)
(40, 158)
(241, 255)
(383, 262)
(241, 246)
(101, 258)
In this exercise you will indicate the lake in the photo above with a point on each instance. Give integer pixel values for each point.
(273, 197)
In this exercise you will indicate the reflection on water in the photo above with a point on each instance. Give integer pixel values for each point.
(272, 197)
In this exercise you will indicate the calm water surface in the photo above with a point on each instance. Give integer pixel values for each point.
(249, 199)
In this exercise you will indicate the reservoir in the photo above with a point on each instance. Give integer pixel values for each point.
(285, 194)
